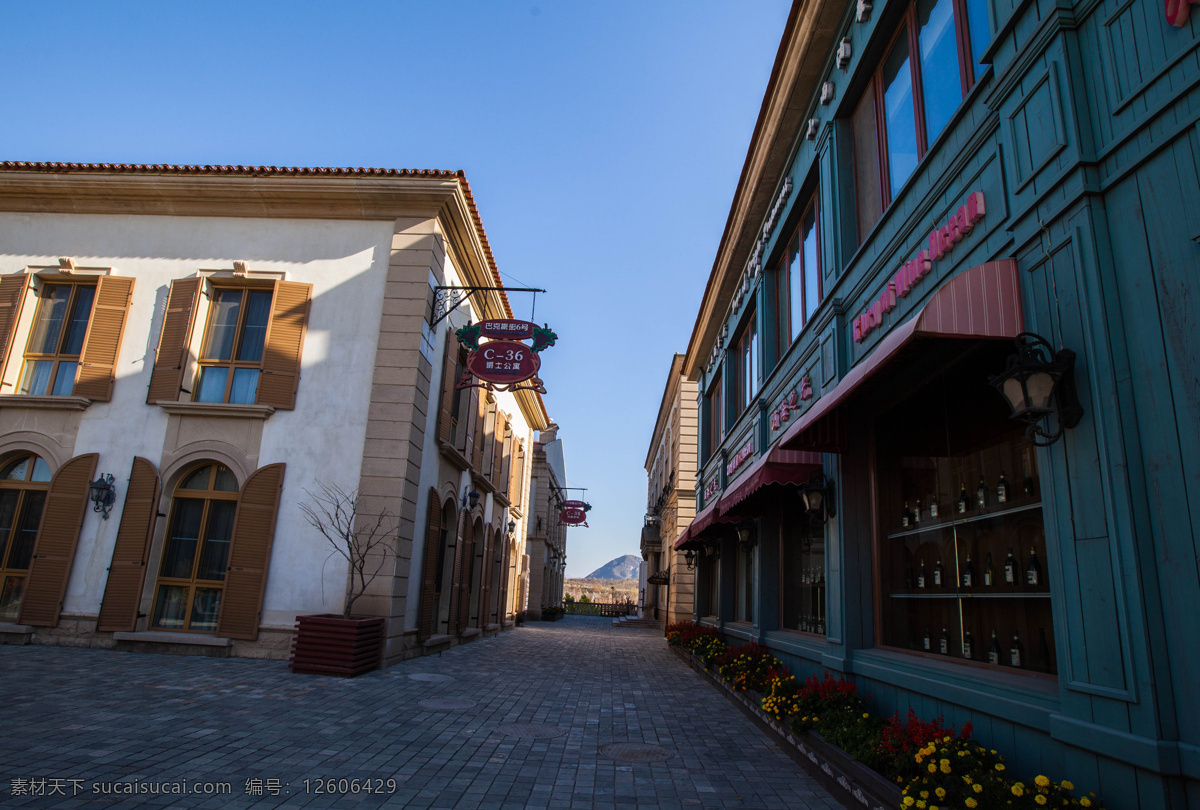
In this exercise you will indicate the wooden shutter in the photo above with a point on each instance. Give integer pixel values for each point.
(502, 602)
(516, 491)
(433, 536)
(465, 572)
(466, 421)
(173, 341)
(127, 573)
(485, 579)
(449, 367)
(463, 528)
(284, 341)
(506, 462)
(480, 408)
(12, 296)
(497, 449)
(102, 343)
(57, 537)
(249, 553)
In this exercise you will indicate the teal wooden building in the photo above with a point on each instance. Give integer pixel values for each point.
(927, 180)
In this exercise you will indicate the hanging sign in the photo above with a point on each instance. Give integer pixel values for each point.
(660, 578)
(503, 361)
(574, 513)
(1177, 11)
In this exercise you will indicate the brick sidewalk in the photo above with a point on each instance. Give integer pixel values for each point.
(102, 717)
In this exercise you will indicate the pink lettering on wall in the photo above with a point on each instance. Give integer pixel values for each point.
(941, 241)
(714, 486)
(739, 458)
(791, 402)
(1177, 11)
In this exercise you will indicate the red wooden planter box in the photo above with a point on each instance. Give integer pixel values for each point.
(332, 645)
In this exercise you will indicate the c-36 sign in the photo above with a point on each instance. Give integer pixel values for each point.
(503, 361)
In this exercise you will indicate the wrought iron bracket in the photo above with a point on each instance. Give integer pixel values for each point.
(448, 299)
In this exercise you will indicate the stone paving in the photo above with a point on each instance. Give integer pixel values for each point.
(432, 732)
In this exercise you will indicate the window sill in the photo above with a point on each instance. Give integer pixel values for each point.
(167, 637)
(44, 403)
(434, 641)
(470, 632)
(216, 409)
(9, 627)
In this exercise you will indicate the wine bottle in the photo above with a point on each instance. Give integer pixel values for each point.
(989, 572)
(926, 640)
(963, 503)
(904, 516)
(1033, 571)
(944, 642)
(1015, 652)
(994, 650)
(921, 576)
(968, 646)
(968, 573)
(916, 515)
(937, 574)
(933, 507)
(821, 625)
(981, 493)
(1010, 569)
(1002, 489)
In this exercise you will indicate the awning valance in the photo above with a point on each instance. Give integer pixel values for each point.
(778, 466)
(704, 519)
(983, 302)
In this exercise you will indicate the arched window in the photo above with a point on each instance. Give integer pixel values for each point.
(23, 486)
(191, 579)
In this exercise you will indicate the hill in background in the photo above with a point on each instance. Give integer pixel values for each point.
(625, 567)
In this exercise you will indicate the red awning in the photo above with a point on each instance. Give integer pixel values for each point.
(779, 466)
(707, 517)
(983, 302)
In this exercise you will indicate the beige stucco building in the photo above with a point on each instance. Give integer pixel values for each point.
(547, 540)
(223, 341)
(670, 499)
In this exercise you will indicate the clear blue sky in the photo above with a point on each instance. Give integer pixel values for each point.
(602, 140)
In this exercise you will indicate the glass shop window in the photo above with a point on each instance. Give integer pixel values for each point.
(744, 586)
(802, 580)
(963, 549)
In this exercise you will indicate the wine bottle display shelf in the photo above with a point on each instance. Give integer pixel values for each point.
(970, 595)
(946, 524)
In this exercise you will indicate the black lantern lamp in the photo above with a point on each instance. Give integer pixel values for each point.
(712, 550)
(689, 557)
(512, 526)
(470, 499)
(1039, 382)
(818, 497)
(745, 534)
(103, 494)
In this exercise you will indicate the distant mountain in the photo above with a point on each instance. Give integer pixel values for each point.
(621, 568)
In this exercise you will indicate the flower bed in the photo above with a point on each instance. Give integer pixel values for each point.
(899, 762)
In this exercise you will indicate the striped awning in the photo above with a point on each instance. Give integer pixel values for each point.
(778, 466)
(709, 515)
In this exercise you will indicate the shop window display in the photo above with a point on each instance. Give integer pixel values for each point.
(802, 551)
(962, 543)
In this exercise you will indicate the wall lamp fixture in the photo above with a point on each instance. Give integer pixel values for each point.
(689, 557)
(1039, 382)
(818, 496)
(103, 494)
(470, 499)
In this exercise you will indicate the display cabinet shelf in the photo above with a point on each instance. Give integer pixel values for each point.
(970, 595)
(946, 524)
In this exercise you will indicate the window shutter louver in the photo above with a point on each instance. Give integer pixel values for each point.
(433, 536)
(169, 359)
(57, 537)
(127, 573)
(466, 423)
(515, 493)
(506, 462)
(497, 449)
(477, 456)
(456, 572)
(485, 579)
(464, 585)
(102, 343)
(446, 413)
(284, 342)
(250, 553)
(12, 296)
(502, 603)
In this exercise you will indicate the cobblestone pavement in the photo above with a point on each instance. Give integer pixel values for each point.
(438, 726)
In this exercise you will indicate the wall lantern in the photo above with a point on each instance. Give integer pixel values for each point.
(745, 535)
(818, 496)
(713, 550)
(512, 526)
(689, 557)
(103, 494)
(1039, 382)
(470, 498)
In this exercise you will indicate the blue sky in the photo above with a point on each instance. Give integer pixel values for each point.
(602, 141)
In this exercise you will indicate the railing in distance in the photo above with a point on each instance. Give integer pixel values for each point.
(613, 609)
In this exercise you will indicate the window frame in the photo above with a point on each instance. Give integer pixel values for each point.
(747, 363)
(794, 251)
(715, 429)
(58, 357)
(233, 364)
(23, 487)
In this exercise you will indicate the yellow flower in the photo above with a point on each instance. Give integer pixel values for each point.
(1067, 785)
(971, 802)
(1018, 789)
(919, 756)
(1085, 801)
(909, 801)
(978, 788)
(999, 766)
(945, 766)
(924, 794)
(941, 793)
(962, 753)
(1041, 781)
(1040, 799)
(932, 768)
(920, 805)
(946, 738)
(865, 715)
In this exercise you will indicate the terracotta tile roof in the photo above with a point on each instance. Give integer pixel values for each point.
(282, 171)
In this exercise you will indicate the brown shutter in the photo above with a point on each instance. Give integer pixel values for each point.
(485, 579)
(466, 420)
(449, 367)
(465, 571)
(173, 341)
(249, 553)
(127, 573)
(101, 344)
(464, 527)
(54, 549)
(477, 455)
(285, 339)
(497, 449)
(506, 462)
(12, 296)
(433, 536)
(516, 491)
(502, 602)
